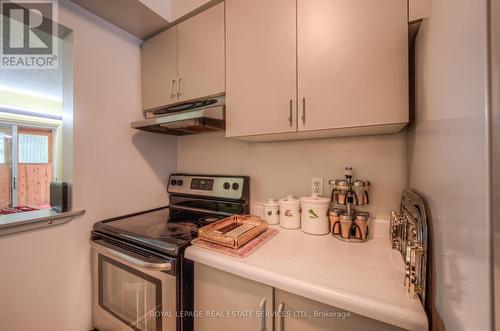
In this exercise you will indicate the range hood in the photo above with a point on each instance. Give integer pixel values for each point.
(192, 117)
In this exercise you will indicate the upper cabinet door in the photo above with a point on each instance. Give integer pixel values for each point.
(201, 54)
(260, 67)
(352, 63)
(159, 70)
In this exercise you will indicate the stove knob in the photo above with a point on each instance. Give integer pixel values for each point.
(226, 186)
(173, 182)
(179, 182)
(236, 186)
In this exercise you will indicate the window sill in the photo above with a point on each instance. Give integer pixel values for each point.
(31, 220)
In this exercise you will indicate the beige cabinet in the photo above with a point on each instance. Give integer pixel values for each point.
(346, 61)
(201, 54)
(159, 70)
(260, 67)
(185, 61)
(295, 313)
(224, 301)
(229, 302)
(352, 63)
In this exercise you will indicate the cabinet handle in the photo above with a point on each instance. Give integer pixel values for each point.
(290, 117)
(179, 88)
(281, 316)
(304, 111)
(173, 88)
(263, 305)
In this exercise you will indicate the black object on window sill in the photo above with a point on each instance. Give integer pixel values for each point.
(60, 196)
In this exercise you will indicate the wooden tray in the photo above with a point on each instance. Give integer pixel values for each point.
(221, 232)
(241, 252)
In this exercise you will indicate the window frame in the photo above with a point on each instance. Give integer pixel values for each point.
(2, 144)
(29, 221)
(30, 124)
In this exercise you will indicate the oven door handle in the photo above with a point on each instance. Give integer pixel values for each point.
(152, 263)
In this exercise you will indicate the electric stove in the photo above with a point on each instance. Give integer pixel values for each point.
(139, 256)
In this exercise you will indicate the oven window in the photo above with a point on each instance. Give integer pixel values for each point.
(130, 295)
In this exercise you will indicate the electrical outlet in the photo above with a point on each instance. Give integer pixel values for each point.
(317, 186)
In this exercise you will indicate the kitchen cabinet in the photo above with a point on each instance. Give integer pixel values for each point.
(260, 67)
(201, 58)
(159, 69)
(357, 77)
(342, 63)
(222, 296)
(185, 61)
(295, 313)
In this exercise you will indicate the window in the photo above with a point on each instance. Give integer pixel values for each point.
(2, 148)
(35, 104)
(31, 162)
(33, 148)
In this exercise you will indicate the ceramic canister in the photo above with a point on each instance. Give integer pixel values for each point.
(290, 212)
(271, 211)
(315, 215)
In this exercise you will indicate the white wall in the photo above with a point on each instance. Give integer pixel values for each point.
(45, 275)
(448, 159)
(280, 168)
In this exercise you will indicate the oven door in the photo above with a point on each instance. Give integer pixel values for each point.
(131, 291)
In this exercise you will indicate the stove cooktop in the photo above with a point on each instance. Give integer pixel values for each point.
(154, 224)
(172, 229)
(152, 228)
(195, 200)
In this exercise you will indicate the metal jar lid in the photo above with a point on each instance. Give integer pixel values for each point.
(363, 213)
(359, 183)
(334, 212)
(342, 185)
(344, 217)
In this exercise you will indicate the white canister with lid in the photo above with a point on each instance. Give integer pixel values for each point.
(271, 211)
(315, 215)
(290, 212)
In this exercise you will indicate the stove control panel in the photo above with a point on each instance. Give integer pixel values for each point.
(224, 187)
(205, 184)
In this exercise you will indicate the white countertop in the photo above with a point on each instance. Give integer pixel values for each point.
(366, 279)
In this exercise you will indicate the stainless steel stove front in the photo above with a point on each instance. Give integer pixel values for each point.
(139, 282)
(132, 291)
